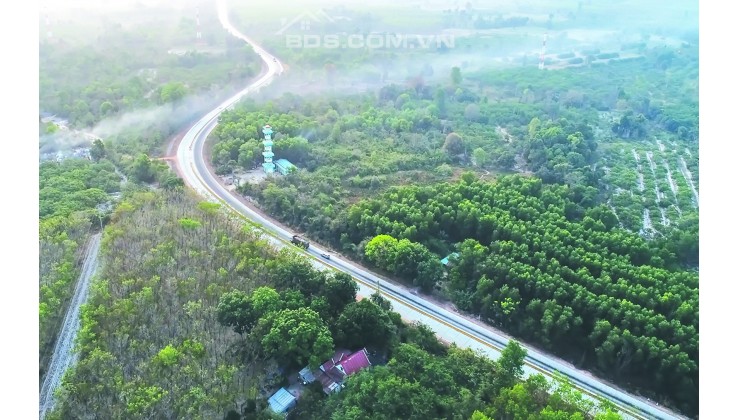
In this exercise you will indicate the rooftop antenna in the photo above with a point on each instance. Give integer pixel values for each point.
(542, 53)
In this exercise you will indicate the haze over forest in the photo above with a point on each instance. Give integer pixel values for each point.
(530, 165)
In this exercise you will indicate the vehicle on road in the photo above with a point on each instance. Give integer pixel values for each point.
(299, 241)
(325, 255)
(447, 322)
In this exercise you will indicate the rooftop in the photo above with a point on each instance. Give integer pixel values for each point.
(338, 356)
(355, 362)
(306, 375)
(446, 260)
(281, 401)
(285, 163)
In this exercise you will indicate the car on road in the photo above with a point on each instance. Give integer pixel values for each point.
(325, 255)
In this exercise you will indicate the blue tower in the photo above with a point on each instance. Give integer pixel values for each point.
(268, 166)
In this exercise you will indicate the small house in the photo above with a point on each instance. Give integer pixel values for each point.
(334, 371)
(306, 376)
(446, 260)
(284, 166)
(282, 401)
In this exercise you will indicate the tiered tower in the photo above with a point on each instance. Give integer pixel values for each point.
(268, 166)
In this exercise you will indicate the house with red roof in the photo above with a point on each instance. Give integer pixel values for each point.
(342, 364)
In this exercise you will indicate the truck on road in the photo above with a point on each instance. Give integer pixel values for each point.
(299, 241)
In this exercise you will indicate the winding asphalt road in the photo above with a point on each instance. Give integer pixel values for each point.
(448, 325)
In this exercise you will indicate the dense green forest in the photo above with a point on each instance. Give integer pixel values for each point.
(194, 316)
(531, 264)
(500, 121)
(574, 255)
(72, 202)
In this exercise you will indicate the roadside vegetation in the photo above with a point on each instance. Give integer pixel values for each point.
(194, 316)
(406, 176)
(73, 201)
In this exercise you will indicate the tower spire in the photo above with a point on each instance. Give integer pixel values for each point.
(268, 166)
(542, 53)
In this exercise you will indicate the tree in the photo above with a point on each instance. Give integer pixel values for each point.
(440, 99)
(364, 324)
(428, 272)
(172, 92)
(472, 112)
(298, 336)
(97, 150)
(453, 145)
(456, 76)
(379, 300)
(423, 336)
(296, 272)
(190, 224)
(340, 290)
(510, 364)
(480, 157)
(246, 155)
(477, 415)
(381, 251)
(142, 169)
(468, 177)
(168, 356)
(106, 108)
(235, 310)
(172, 182)
(265, 300)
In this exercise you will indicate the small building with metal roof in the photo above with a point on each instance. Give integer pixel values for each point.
(284, 166)
(446, 260)
(282, 401)
(306, 375)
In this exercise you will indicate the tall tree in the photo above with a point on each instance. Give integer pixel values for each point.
(454, 145)
(298, 336)
(97, 150)
(510, 364)
(456, 76)
(235, 310)
(364, 324)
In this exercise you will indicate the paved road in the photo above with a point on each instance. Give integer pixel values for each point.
(448, 325)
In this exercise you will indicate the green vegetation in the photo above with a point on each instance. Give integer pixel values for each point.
(590, 252)
(405, 259)
(457, 384)
(70, 197)
(149, 341)
(156, 336)
(611, 294)
(534, 262)
(524, 120)
(137, 61)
